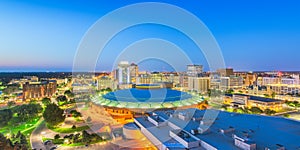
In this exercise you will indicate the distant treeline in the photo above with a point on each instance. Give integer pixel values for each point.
(6, 77)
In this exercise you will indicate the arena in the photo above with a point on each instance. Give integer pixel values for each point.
(126, 103)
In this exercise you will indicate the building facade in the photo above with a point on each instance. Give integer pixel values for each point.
(105, 82)
(199, 84)
(194, 70)
(39, 90)
(225, 72)
(134, 72)
(247, 101)
(123, 73)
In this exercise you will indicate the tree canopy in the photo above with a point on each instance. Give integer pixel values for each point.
(53, 115)
(27, 111)
(46, 101)
(5, 116)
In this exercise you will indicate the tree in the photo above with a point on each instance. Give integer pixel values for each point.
(5, 143)
(224, 106)
(256, 110)
(273, 95)
(209, 92)
(11, 103)
(75, 113)
(11, 89)
(18, 134)
(69, 93)
(46, 101)
(230, 91)
(23, 139)
(269, 112)
(61, 98)
(73, 127)
(27, 111)
(85, 137)
(108, 89)
(57, 136)
(5, 116)
(53, 115)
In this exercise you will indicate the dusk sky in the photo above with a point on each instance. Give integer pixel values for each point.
(254, 35)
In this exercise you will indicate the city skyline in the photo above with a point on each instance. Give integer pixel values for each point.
(253, 36)
(155, 75)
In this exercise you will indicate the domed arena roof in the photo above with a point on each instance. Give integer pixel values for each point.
(147, 98)
(147, 95)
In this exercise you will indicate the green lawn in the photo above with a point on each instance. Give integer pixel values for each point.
(81, 144)
(68, 130)
(25, 127)
(55, 141)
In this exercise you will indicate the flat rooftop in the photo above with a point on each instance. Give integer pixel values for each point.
(265, 131)
(261, 99)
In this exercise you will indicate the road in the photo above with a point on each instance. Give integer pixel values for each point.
(36, 138)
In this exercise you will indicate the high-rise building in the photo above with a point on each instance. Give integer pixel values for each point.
(134, 72)
(123, 73)
(232, 82)
(225, 72)
(194, 70)
(199, 84)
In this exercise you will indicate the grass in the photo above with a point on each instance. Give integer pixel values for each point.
(81, 143)
(68, 130)
(25, 127)
(55, 141)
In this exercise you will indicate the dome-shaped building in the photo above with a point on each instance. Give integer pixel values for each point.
(123, 104)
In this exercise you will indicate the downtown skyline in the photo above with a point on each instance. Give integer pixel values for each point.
(253, 36)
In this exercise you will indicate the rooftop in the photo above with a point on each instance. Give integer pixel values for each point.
(263, 130)
(147, 95)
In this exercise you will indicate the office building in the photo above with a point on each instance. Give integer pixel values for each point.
(105, 82)
(123, 73)
(232, 82)
(248, 101)
(199, 84)
(225, 72)
(134, 72)
(194, 70)
(284, 89)
(270, 80)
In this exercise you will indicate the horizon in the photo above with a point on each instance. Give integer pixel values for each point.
(252, 35)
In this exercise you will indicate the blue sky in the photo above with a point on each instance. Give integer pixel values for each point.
(252, 34)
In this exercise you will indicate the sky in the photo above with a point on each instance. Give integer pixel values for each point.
(253, 35)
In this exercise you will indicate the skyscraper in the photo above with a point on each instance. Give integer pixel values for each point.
(194, 70)
(123, 73)
(134, 72)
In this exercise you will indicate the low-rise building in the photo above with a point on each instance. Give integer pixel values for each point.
(248, 101)
(284, 88)
(105, 82)
(199, 130)
(37, 90)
